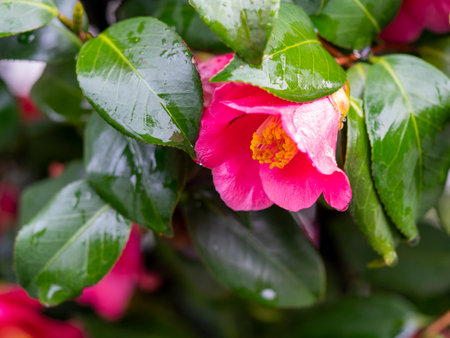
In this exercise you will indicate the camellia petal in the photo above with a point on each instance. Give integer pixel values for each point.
(337, 191)
(207, 70)
(263, 149)
(416, 15)
(296, 186)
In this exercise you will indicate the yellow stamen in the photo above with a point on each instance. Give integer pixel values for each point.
(271, 144)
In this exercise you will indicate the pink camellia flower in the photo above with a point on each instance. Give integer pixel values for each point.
(264, 150)
(416, 15)
(21, 317)
(111, 295)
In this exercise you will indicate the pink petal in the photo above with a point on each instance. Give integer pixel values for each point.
(208, 69)
(403, 29)
(219, 137)
(21, 315)
(337, 192)
(296, 186)
(236, 179)
(314, 126)
(437, 16)
(239, 185)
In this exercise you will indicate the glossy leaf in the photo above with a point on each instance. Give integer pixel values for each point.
(17, 16)
(9, 119)
(437, 53)
(139, 76)
(71, 244)
(178, 14)
(36, 196)
(408, 121)
(58, 96)
(354, 23)
(443, 207)
(312, 7)
(142, 181)
(422, 271)
(356, 76)
(380, 316)
(244, 25)
(295, 65)
(51, 43)
(266, 258)
(365, 205)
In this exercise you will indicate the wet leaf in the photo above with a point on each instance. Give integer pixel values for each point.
(365, 205)
(51, 43)
(142, 181)
(295, 65)
(408, 121)
(263, 256)
(356, 76)
(354, 23)
(244, 25)
(58, 96)
(17, 16)
(37, 195)
(178, 14)
(139, 76)
(71, 244)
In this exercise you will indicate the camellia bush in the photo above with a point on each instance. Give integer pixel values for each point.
(224, 168)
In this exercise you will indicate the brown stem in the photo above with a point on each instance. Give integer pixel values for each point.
(392, 47)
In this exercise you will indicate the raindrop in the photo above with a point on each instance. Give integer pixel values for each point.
(26, 37)
(268, 294)
(52, 291)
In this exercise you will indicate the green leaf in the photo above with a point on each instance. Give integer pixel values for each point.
(52, 43)
(142, 181)
(71, 244)
(58, 96)
(36, 196)
(381, 316)
(179, 15)
(139, 76)
(356, 76)
(422, 271)
(443, 208)
(354, 23)
(244, 25)
(407, 108)
(295, 66)
(311, 7)
(267, 258)
(437, 53)
(365, 205)
(17, 16)
(9, 119)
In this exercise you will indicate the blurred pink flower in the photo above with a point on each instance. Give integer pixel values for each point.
(110, 297)
(416, 15)
(264, 150)
(9, 195)
(20, 317)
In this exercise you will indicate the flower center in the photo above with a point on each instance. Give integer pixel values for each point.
(271, 144)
